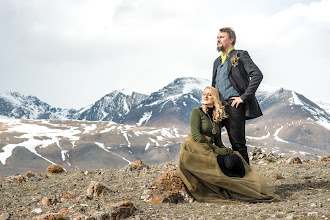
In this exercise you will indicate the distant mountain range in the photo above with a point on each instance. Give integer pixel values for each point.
(125, 126)
(171, 104)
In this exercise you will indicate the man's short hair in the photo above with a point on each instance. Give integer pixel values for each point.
(230, 32)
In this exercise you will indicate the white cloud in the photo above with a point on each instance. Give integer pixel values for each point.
(71, 53)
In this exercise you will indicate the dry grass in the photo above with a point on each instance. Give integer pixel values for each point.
(304, 191)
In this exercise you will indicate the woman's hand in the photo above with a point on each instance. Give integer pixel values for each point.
(223, 151)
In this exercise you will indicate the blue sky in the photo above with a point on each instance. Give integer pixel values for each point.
(71, 53)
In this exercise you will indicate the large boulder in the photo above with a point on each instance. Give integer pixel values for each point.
(137, 165)
(96, 189)
(120, 210)
(54, 169)
(168, 188)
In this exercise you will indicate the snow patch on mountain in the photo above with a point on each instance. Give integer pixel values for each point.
(190, 84)
(12, 97)
(323, 122)
(147, 146)
(324, 105)
(295, 100)
(160, 138)
(108, 129)
(89, 128)
(19, 106)
(101, 145)
(64, 154)
(267, 88)
(154, 141)
(84, 109)
(126, 92)
(276, 135)
(126, 137)
(259, 138)
(145, 118)
(33, 132)
(165, 100)
(320, 116)
(193, 98)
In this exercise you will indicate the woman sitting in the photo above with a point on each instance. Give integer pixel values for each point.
(210, 171)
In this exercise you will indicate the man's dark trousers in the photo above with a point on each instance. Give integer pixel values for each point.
(235, 125)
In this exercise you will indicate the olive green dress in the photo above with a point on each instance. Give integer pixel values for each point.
(199, 170)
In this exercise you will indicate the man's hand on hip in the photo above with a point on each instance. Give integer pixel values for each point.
(236, 101)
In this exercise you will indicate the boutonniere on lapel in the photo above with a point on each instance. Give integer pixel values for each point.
(234, 60)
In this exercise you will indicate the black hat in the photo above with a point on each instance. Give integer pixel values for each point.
(231, 165)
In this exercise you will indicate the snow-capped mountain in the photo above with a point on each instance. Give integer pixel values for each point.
(291, 124)
(324, 105)
(169, 106)
(15, 105)
(287, 103)
(112, 107)
(80, 145)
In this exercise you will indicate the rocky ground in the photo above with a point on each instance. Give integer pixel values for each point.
(304, 188)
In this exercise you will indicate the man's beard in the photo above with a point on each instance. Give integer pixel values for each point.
(219, 49)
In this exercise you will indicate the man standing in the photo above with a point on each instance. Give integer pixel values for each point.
(237, 78)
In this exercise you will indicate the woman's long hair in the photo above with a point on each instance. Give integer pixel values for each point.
(219, 110)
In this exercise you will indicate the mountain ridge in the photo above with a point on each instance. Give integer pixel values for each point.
(118, 105)
(151, 128)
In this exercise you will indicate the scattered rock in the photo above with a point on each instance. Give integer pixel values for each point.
(312, 213)
(54, 169)
(50, 216)
(256, 151)
(296, 160)
(120, 210)
(28, 176)
(304, 191)
(5, 216)
(168, 188)
(257, 154)
(48, 202)
(15, 179)
(31, 176)
(100, 215)
(278, 176)
(137, 165)
(64, 213)
(67, 212)
(83, 197)
(325, 158)
(69, 196)
(37, 211)
(96, 189)
(71, 214)
(314, 204)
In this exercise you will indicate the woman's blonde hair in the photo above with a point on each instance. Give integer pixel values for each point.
(219, 110)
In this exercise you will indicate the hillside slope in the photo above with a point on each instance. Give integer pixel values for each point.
(304, 189)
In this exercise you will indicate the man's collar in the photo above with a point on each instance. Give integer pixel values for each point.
(224, 56)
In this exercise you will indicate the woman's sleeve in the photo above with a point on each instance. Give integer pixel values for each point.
(195, 125)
